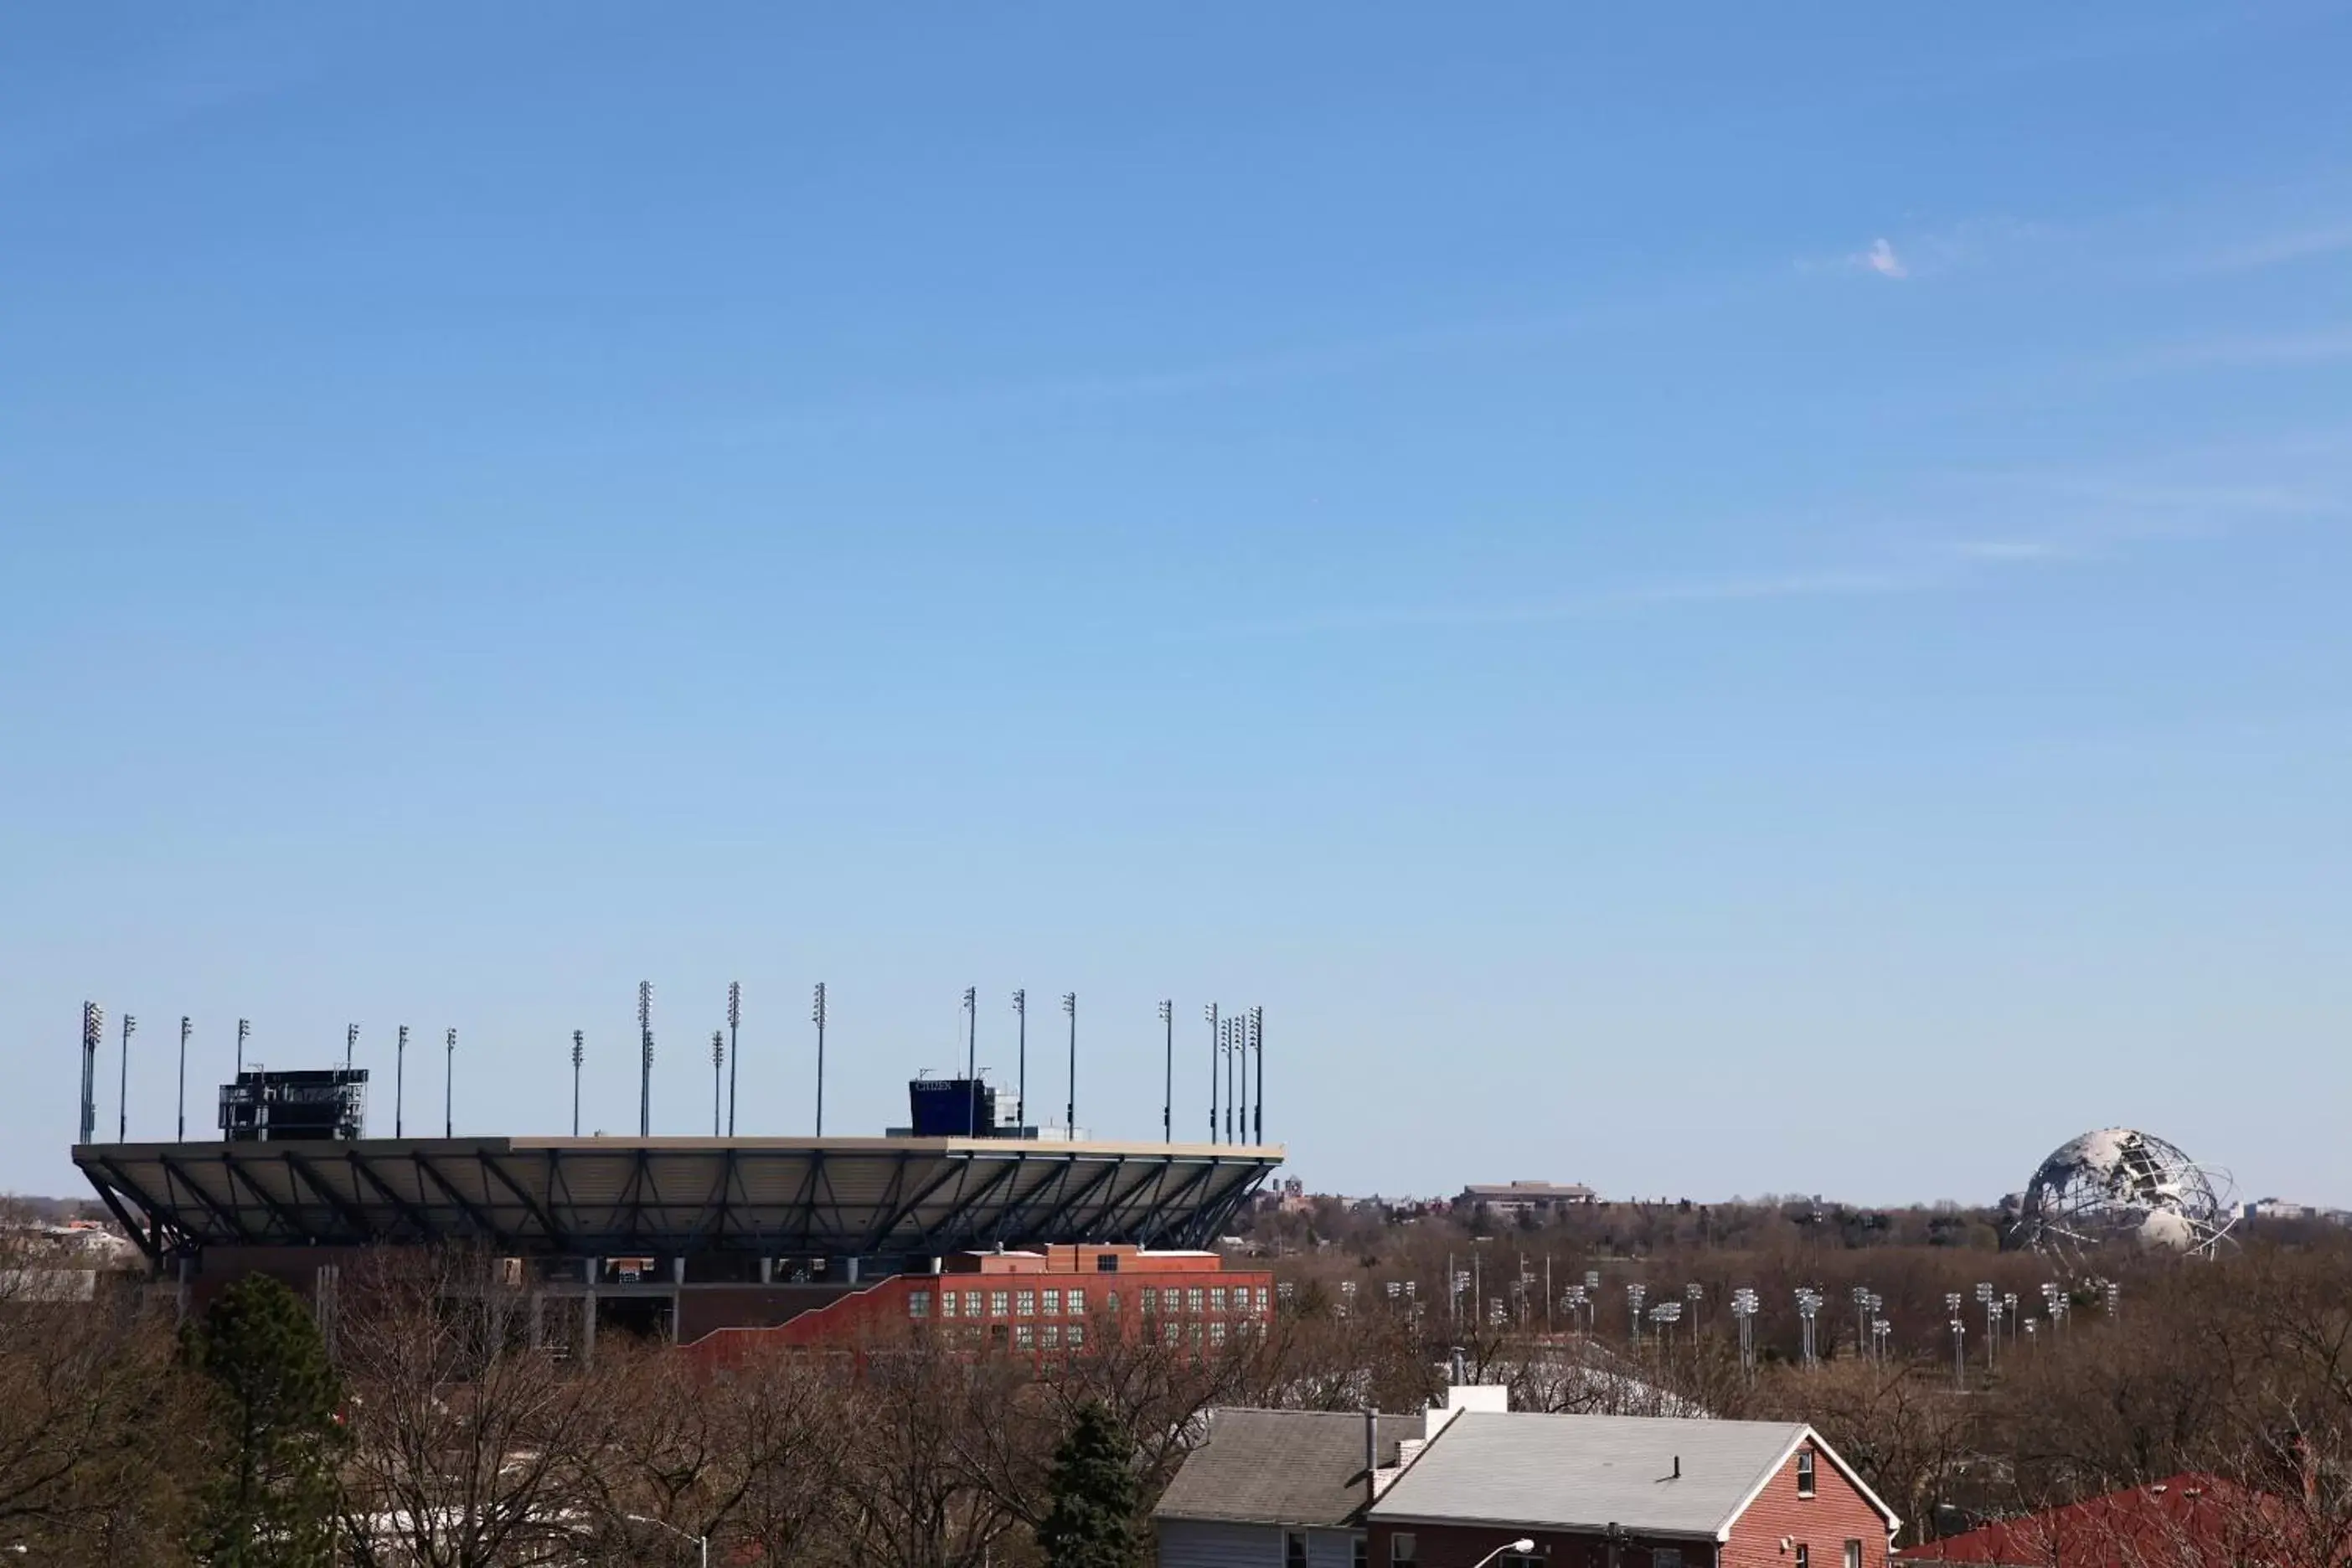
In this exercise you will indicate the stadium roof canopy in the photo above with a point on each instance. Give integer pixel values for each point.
(617, 1196)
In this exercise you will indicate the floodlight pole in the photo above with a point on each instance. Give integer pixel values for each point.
(817, 1015)
(1021, 1072)
(1233, 1048)
(1257, 1049)
(244, 1033)
(399, 1070)
(1070, 1117)
(184, 1030)
(734, 1047)
(351, 1044)
(971, 1061)
(93, 1034)
(1168, 1101)
(579, 1051)
(122, 1093)
(717, 1076)
(644, 1058)
(449, 1085)
(1217, 1042)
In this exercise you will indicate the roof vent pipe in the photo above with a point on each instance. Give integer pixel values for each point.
(1372, 1455)
(1678, 1467)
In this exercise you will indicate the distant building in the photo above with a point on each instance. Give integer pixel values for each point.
(1048, 1301)
(1508, 1200)
(1630, 1491)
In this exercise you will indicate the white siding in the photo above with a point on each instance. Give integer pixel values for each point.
(1203, 1544)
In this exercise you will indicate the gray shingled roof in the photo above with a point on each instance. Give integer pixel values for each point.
(1280, 1466)
(1585, 1472)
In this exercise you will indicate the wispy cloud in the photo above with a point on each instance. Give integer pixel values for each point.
(2248, 351)
(1881, 258)
(2279, 250)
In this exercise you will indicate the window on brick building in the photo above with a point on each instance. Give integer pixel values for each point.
(1106, 1262)
(1294, 1549)
(1804, 1472)
(1052, 1333)
(1360, 1552)
(1077, 1302)
(1261, 1299)
(947, 1303)
(918, 1303)
(1217, 1333)
(1078, 1337)
(1853, 1554)
(1025, 1337)
(997, 1302)
(1665, 1557)
(1192, 1299)
(1150, 1300)
(1052, 1303)
(1217, 1300)
(1404, 1549)
(1024, 1304)
(1174, 1332)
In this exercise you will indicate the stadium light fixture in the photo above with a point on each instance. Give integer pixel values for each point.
(123, 1094)
(816, 1016)
(734, 1047)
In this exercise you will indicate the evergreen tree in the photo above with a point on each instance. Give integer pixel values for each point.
(1093, 1487)
(271, 1500)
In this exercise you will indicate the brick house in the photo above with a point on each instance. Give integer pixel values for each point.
(1628, 1491)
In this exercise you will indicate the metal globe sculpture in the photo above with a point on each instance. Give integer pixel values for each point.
(2118, 1186)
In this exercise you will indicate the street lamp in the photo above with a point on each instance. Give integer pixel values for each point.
(700, 1542)
(1519, 1548)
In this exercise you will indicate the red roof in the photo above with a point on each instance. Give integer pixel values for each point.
(2184, 1519)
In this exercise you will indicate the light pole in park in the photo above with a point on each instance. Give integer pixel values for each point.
(1743, 1307)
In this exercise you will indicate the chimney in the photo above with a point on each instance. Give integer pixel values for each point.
(1372, 1455)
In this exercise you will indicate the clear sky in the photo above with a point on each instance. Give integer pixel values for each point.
(1705, 600)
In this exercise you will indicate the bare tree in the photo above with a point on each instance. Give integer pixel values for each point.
(96, 1461)
(468, 1448)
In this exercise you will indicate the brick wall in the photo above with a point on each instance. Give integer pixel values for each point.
(1835, 1514)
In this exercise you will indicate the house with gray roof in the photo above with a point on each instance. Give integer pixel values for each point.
(1626, 1491)
(1279, 1488)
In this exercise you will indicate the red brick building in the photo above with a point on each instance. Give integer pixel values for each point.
(1052, 1299)
(1623, 1491)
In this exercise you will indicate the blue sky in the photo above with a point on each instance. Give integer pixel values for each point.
(1703, 602)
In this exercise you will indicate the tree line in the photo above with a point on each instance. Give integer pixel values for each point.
(418, 1426)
